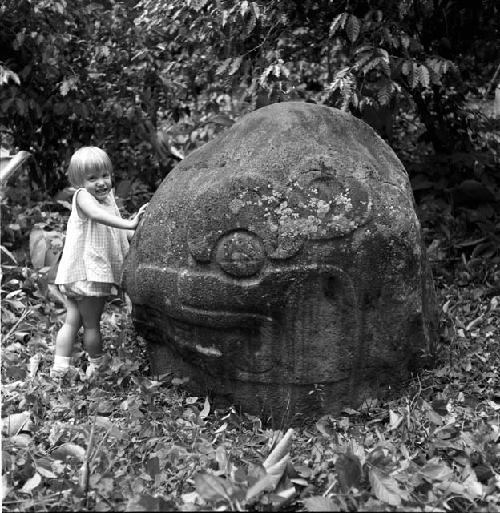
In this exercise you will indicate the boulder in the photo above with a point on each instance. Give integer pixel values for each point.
(281, 268)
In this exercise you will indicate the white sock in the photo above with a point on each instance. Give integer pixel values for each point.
(61, 362)
(97, 361)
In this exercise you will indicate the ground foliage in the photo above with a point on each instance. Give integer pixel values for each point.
(133, 441)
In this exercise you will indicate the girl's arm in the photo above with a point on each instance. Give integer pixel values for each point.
(91, 208)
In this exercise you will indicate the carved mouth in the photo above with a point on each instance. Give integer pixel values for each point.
(213, 343)
(256, 330)
(244, 347)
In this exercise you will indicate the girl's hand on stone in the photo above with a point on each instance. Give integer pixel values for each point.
(137, 217)
(142, 209)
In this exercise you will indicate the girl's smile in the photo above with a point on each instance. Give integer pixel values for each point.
(98, 183)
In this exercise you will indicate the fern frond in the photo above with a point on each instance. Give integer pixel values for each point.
(385, 93)
(346, 83)
(364, 59)
(414, 75)
(338, 79)
(362, 49)
(352, 28)
(338, 23)
(434, 65)
(347, 91)
(423, 75)
(372, 64)
(386, 69)
(384, 54)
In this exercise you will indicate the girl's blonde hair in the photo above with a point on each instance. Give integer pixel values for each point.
(86, 160)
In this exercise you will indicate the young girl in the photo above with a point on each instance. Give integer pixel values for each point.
(91, 263)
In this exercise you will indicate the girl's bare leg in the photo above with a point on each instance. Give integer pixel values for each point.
(67, 334)
(91, 309)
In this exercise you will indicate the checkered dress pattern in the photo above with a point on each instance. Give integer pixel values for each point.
(92, 251)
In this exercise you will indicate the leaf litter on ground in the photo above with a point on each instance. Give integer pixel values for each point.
(132, 441)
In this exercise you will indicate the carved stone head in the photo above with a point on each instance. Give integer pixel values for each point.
(281, 265)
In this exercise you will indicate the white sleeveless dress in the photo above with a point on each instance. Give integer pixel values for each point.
(93, 254)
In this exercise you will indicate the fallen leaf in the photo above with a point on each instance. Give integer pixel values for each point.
(222, 459)
(322, 425)
(255, 473)
(146, 502)
(21, 440)
(280, 450)
(304, 471)
(15, 347)
(320, 503)
(105, 407)
(299, 481)
(34, 364)
(105, 423)
(206, 409)
(492, 404)
(68, 450)
(221, 428)
(278, 468)
(12, 424)
(350, 411)
(32, 483)
(385, 488)
(266, 483)
(395, 420)
(435, 470)
(46, 472)
(472, 486)
(187, 498)
(348, 467)
(211, 487)
(8, 387)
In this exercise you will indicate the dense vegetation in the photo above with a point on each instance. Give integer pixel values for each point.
(151, 80)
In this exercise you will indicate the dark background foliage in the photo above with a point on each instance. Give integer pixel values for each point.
(150, 80)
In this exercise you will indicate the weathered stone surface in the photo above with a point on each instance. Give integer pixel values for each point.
(281, 265)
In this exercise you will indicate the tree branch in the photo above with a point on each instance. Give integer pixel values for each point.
(7, 169)
(491, 82)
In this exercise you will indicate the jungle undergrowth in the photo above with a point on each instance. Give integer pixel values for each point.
(133, 441)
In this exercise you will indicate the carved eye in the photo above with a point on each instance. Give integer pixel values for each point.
(240, 253)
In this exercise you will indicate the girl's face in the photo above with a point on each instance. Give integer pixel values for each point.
(98, 183)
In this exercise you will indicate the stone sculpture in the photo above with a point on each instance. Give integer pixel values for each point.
(281, 265)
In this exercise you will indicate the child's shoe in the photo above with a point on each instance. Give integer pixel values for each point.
(96, 366)
(61, 366)
(58, 373)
